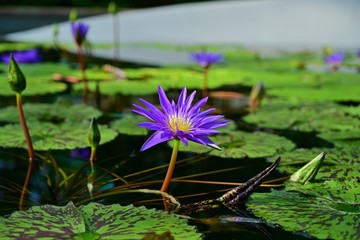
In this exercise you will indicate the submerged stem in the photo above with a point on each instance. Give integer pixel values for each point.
(171, 166)
(26, 184)
(92, 159)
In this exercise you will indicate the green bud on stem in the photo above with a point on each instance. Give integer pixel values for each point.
(73, 15)
(94, 134)
(308, 172)
(112, 8)
(16, 78)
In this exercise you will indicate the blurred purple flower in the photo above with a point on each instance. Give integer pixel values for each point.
(182, 121)
(81, 153)
(206, 59)
(335, 59)
(26, 56)
(79, 31)
(358, 53)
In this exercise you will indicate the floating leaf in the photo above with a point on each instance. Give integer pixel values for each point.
(127, 125)
(338, 163)
(54, 113)
(319, 217)
(238, 144)
(320, 117)
(47, 136)
(93, 221)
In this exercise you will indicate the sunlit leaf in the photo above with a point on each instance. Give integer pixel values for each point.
(47, 136)
(54, 113)
(319, 117)
(93, 221)
(238, 144)
(318, 216)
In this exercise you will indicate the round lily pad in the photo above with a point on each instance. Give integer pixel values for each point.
(239, 144)
(93, 221)
(338, 163)
(319, 217)
(127, 125)
(320, 117)
(47, 136)
(54, 113)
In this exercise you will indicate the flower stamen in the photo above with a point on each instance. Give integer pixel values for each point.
(179, 123)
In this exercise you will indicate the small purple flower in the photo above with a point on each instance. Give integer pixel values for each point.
(206, 59)
(335, 59)
(81, 153)
(180, 120)
(358, 53)
(26, 56)
(79, 31)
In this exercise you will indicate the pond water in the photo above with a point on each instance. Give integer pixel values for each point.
(301, 112)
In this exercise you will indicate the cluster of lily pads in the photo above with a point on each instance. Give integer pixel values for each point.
(310, 101)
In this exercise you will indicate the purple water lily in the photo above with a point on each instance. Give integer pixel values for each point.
(205, 59)
(335, 59)
(182, 120)
(26, 56)
(79, 31)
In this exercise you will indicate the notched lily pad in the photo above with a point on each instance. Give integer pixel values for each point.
(93, 221)
(319, 217)
(321, 117)
(47, 136)
(338, 164)
(238, 144)
(128, 125)
(54, 113)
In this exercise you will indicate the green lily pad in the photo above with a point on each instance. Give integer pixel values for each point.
(40, 81)
(342, 138)
(338, 164)
(239, 144)
(145, 80)
(47, 136)
(54, 113)
(340, 192)
(319, 217)
(93, 221)
(127, 125)
(320, 117)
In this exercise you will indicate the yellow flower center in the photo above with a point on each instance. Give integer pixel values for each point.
(179, 123)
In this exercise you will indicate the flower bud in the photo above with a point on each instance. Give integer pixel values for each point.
(112, 8)
(16, 78)
(94, 136)
(308, 172)
(73, 15)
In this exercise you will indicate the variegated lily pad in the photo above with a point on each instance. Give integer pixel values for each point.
(47, 136)
(93, 221)
(127, 125)
(239, 144)
(338, 162)
(318, 216)
(321, 117)
(145, 81)
(55, 113)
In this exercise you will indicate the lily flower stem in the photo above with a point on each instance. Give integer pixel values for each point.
(30, 148)
(205, 81)
(24, 127)
(81, 61)
(116, 40)
(92, 159)
(171, 166)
